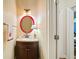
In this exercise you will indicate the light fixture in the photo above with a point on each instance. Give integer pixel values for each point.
(27, 11)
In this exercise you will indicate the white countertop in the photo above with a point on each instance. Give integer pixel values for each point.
(26, 39)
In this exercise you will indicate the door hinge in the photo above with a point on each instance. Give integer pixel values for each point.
(56, 37)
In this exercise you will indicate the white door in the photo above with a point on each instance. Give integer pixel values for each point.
(70, 33)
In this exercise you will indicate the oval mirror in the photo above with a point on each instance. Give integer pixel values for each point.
(26, 24)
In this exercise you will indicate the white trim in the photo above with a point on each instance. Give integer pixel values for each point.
(47, 23)
(52, 30)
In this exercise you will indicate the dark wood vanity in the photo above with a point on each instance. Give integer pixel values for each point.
(27, 50)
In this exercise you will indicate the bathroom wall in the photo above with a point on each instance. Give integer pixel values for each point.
(9, 17)
(43, 33)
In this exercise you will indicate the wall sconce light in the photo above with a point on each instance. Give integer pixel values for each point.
(27, 11)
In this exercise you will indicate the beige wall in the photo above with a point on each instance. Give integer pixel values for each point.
(43, 35)
(9, 17)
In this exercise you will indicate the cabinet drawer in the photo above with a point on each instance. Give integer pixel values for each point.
(18, 43)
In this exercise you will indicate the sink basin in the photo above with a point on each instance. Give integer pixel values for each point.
(26, 39)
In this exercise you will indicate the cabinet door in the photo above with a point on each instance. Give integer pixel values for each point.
(31, 52)
(26, 52)
(20, 52)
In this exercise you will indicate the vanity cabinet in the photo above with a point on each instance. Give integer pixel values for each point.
(26, 50)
